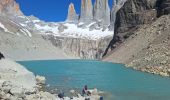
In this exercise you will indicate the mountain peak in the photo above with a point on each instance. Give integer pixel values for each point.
(9, 7)
(72, 16)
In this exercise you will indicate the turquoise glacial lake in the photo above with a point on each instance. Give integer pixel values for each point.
(119, 82)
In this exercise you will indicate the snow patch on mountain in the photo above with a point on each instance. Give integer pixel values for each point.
(72, 30)
(3, 27)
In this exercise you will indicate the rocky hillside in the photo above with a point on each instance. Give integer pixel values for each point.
(142, 36)
(21, 42)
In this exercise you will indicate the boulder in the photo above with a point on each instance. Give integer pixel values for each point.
(40, 79)
(16, 74)
(17, 91)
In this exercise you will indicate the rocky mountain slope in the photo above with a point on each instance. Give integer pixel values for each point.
(83, 36)
(142, 36)
(20, 42)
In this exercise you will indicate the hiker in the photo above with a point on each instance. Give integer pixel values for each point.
(61, 95)
(101, 98)
(85, 91)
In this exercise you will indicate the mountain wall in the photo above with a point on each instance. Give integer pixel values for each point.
(81, 48)
(132, 15)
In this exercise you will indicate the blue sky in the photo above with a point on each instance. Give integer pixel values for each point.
(49, 10)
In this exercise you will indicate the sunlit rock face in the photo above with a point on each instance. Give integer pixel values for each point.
(86, 11)
(9, 7)
(102, 11)
(72, 16)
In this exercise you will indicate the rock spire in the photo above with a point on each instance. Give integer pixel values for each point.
(72, 16)
(102, 11)
(86, 11)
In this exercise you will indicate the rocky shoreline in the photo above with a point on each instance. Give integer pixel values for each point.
(17, 83)
(162, 71)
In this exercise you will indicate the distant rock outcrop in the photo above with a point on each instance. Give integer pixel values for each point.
(9, 7)
(102, 12)
(72, 16)
(86, 11)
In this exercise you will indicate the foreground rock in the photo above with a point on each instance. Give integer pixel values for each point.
(15, 81)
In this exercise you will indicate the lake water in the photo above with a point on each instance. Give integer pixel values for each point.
(119, 82)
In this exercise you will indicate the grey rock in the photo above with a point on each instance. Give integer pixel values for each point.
(102, 11)
(6, 86)
(86, 11)
(72, 16)
(17, 91)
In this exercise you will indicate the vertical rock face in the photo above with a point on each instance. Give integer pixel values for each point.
(163, 7)
(9, 7)
(86, 11)
(135, 13)
(116, 6)
(72, 16)
(130, 17)
(81, 48)
(102, 11)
